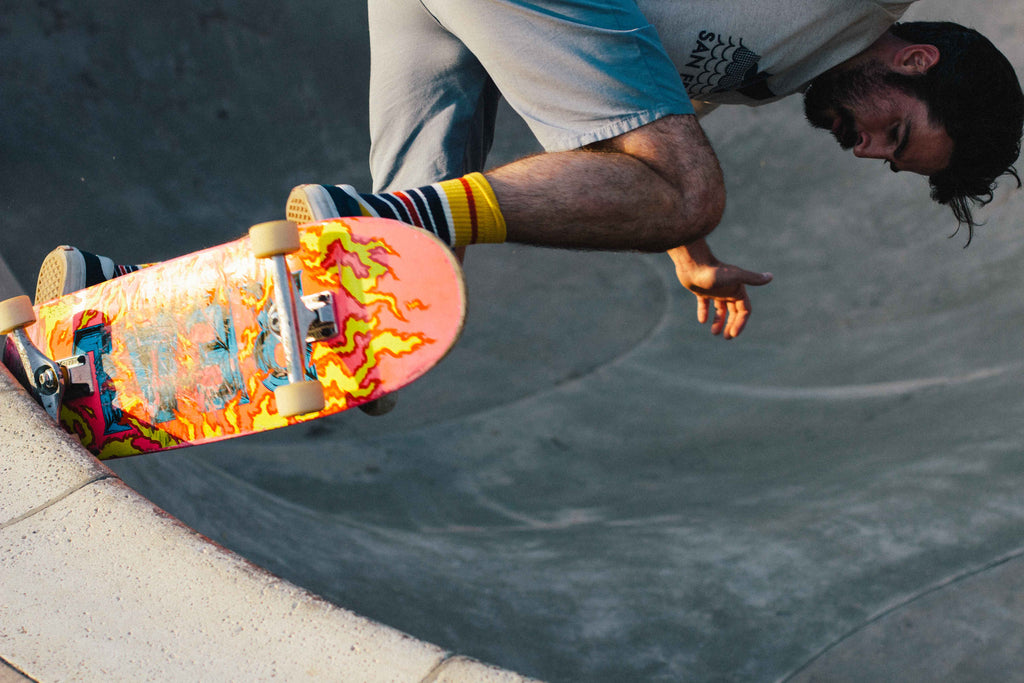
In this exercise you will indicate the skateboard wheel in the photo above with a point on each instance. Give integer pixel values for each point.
(15, 313)
(299, 398)
(274, 238)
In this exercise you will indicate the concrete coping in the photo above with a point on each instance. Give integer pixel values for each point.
(96, 582)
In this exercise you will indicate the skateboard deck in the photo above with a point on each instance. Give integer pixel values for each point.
(189, 351)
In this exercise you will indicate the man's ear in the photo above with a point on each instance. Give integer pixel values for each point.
(915, 60)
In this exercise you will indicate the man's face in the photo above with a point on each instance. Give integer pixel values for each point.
(869, 115)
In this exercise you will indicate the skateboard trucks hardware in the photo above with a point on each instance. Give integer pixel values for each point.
(43, 378)
(323, 325)
(291, 319)
(315, 315)
(50, 381)
(79, 377)
(291, 316)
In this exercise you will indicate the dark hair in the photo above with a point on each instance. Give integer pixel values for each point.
(974, 93)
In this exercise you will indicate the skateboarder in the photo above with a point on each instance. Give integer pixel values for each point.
(615, 77)
(628, 166)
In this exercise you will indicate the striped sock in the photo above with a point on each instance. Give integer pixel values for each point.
(461, 212)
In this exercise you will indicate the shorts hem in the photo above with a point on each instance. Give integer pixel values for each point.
(612, 129)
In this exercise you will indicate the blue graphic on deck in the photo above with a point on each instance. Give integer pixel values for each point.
(222, 353)
(154, 363)
(95, 341)
(209, 346)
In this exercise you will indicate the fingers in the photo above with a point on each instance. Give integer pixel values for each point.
(721, 317)
(730, 317)
(702, 309)
(728, 296)
(739, 313)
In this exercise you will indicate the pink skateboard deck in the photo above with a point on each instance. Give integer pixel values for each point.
(188, 351)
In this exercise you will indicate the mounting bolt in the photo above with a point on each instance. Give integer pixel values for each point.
(47, 381)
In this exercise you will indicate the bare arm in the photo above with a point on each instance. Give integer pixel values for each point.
(651, 189)
(657, 188)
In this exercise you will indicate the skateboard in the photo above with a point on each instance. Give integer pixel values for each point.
(285, 325)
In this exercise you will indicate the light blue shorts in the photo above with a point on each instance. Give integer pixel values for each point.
(577, 71)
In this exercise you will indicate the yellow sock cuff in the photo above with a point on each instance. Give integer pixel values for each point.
(476, 217)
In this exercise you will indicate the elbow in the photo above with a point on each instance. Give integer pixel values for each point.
(690, 214)
(710, 203)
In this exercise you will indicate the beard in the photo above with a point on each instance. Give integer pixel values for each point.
(836, 94)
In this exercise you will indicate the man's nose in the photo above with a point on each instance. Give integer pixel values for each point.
(870, 147)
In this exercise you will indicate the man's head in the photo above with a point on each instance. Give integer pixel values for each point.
(938, 99)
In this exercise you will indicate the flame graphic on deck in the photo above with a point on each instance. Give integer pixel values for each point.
(360, 268)
(182, 353)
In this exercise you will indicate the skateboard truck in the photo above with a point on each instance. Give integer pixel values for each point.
(273, 241)
(316, 316)
(47, 380)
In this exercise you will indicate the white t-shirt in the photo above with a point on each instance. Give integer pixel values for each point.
(755, 51)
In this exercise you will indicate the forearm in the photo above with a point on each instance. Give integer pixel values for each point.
(650, 190)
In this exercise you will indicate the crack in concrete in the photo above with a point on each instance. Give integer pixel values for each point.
(53, 501)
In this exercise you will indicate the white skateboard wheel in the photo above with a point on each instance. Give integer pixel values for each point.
(299, 398)
(15, 313)
(274, 238)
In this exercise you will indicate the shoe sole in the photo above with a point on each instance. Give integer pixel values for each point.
(309, 203)
(59, 269)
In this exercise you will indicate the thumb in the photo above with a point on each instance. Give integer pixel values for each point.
(749, 277)
(734, 275)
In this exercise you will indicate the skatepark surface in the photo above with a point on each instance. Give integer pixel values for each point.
(590, 487)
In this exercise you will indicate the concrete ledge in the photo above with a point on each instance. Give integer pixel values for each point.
(40, 464)
(98, 583)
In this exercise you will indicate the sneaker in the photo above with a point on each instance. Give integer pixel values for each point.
(310, 203)
(67, 269)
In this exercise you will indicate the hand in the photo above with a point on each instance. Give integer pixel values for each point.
(719, 284)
